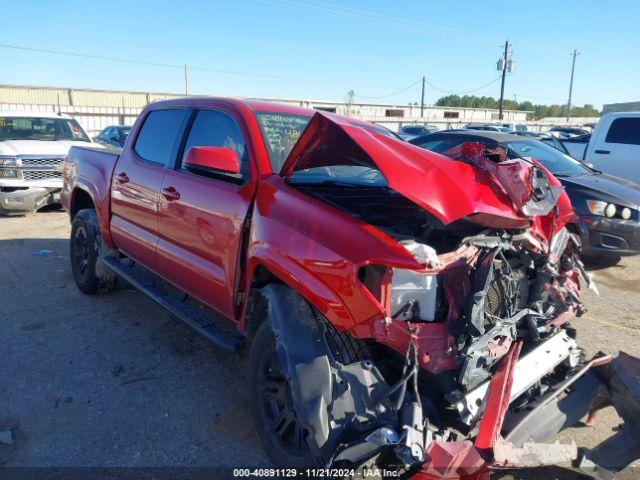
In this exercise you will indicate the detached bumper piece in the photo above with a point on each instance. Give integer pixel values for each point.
(515, 443)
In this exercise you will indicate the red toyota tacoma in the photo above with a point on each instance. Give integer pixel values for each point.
(400, 308)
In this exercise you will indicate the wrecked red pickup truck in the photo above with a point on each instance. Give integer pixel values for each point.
(400, 308)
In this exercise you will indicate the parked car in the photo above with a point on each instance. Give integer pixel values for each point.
(113, 136)
(485, 127)
(569, 131)
(384, 292)
(575, 146)
(607, 207)
(527, 133)
(32, 147)
(514, 127)
(613, 146)
(407, 132)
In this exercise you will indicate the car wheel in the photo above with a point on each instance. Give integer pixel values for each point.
(282, 435)
(85, 249)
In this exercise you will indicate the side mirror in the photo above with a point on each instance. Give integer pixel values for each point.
(218, 159)
(114, 137)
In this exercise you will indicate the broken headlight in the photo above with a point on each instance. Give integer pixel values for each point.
(413, 295)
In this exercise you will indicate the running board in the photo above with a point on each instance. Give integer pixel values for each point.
(191, 316)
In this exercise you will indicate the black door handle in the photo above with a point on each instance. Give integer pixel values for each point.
(603, 152)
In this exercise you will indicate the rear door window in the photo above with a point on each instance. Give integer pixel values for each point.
(156, 141)
(624, 130)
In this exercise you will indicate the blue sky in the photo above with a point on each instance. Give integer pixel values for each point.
(321, 49)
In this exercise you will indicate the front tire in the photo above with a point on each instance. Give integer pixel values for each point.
(282, 435)
(85, 249)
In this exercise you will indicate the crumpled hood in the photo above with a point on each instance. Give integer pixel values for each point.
(448, 189)
(37, 147)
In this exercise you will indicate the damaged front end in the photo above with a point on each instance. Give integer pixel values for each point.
(472, 361)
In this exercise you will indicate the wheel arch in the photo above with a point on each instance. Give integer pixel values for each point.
(85, 195)
(269, 268)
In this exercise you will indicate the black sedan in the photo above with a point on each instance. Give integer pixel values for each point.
(607, 207)
(114, 136)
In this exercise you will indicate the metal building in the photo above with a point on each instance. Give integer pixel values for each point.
(97, 109)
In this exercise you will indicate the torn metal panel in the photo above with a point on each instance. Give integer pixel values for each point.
(529, 369)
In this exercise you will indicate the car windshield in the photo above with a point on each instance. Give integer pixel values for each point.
(37, 128)
(551, 158)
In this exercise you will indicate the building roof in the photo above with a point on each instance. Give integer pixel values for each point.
(33, 113)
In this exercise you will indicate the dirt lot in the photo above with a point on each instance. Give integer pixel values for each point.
(113, 381)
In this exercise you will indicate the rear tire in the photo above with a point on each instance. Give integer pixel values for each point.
(86, 249)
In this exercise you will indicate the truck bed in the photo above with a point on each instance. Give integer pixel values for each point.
(89, 169)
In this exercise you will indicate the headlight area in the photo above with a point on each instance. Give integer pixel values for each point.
(8, 167)
(8, 161)
(610, 210)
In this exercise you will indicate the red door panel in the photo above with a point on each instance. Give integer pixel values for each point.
(134, 208)
(200, 236)
(137, 179)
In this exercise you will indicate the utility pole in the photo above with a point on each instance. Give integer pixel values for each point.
(573, 67)
(350, 95)
(422, 99)
(503, 63)
(186, 80)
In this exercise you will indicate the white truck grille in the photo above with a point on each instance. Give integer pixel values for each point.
(35, 175)
(53, 163)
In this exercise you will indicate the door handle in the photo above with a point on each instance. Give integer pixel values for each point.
(122, 177)
(170, 194)
(603, 152)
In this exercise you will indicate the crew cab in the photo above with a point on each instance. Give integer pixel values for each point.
(613, 146)
(399, 307)
(32, 147)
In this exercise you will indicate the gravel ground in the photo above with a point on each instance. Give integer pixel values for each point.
(113, 381)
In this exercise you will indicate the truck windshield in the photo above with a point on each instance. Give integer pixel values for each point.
(37, 128)
(280, 132)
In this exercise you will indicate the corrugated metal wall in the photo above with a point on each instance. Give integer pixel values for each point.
(97, 109)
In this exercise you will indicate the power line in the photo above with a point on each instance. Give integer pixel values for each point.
(94, 57)
(404, 24)
(391, 94)
(449, 92)
(191, 68)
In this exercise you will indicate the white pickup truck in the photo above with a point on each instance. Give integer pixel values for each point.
(32, 148)
(614, 146)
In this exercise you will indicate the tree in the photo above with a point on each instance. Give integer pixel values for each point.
(537, 111)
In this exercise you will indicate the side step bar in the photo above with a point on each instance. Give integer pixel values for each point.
(192, 317)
